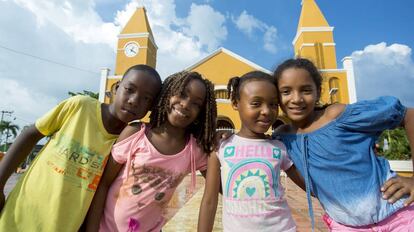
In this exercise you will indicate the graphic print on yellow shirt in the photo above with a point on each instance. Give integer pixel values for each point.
(75, 162)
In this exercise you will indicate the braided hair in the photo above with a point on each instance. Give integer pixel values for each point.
(204, 126)
(235, 83)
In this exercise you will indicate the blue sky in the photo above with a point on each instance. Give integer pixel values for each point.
(357, 23)
(59, 46)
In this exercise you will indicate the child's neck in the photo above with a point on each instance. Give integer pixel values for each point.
(111, 123)
(167, 130)
(309, 124)
(167, 139)
(250, 134)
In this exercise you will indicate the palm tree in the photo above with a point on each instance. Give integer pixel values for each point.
(9, 129)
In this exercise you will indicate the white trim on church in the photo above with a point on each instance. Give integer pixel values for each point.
(310, 29)
(244, 60)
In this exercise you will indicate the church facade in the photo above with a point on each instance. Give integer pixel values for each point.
(314, 40)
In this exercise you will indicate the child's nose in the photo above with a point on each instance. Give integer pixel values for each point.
(297, 97)
(133, 99)
(185, 103)
(265, 110)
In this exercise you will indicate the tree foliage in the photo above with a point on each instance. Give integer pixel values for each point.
(8, 128)
(398, 146)
(85, 93)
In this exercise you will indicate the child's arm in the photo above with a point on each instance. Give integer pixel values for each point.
(208, 205)
(296, 177)
(18, 151)
(98, 203)
(111, 171)
(396, 188)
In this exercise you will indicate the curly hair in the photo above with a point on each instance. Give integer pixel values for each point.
(301, 63)
(204, 126)
(235, 83)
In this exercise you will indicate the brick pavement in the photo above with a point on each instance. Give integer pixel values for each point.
(184, 217)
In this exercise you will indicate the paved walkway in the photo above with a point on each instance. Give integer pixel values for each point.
(185, 218)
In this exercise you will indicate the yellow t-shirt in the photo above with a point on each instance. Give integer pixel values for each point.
(55, 192)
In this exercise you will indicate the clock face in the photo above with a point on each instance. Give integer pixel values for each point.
(131, 49)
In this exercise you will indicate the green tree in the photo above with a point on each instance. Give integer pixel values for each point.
(85, 93)
(398, 146)
(9, 129)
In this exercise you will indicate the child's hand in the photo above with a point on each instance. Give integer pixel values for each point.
(397, 187)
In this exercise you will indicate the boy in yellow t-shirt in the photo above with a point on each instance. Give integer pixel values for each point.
(55, 192)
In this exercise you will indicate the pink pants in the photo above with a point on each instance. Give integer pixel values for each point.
(402, 220)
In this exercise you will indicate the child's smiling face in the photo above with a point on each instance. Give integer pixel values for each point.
(184, 109)
(257, 106)
(298, 94)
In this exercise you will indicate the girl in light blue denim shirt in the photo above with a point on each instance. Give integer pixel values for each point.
(332, 148)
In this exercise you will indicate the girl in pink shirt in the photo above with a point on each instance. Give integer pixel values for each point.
(149, 161)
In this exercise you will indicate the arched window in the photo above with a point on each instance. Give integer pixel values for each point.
(224, 124)
(320, 59)
(334, 93)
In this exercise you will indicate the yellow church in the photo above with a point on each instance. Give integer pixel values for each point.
(314, 40)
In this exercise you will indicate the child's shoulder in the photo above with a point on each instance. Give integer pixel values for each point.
(81, 98)
(80, 101)
(334, 111)
(277, 142)
(283, 129)
(131, 129)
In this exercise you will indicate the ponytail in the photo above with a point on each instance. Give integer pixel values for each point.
(233, 89)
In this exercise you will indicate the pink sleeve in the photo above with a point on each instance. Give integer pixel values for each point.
(122, 150)
(286, 163)
(201, 158)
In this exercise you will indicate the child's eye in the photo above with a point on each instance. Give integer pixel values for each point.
(274, 105)
(308, 91)
(129, 90)
(284, 92)
(255, 103)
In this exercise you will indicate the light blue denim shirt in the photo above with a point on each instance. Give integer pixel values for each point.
(339, 164)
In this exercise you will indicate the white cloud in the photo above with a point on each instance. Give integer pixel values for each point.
(210, 32)
(23, 100)
(72, 33)
(76, 18)
(384, 70)
(269, 40)
(33, 85)
(252, 26)
(248, 24)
